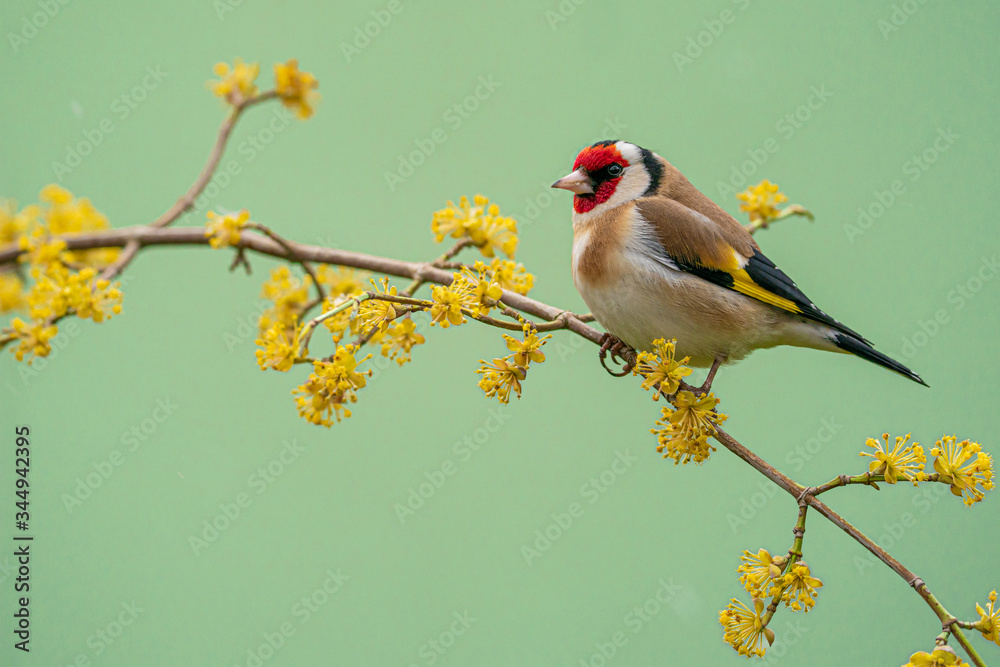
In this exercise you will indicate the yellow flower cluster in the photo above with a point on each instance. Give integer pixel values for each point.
(236, 82)
(511, 276)
(331, 387)
(506, 373)
(797, 587)
(223, 231)
(989, 619)
(950, 457)
(399, 339)
(659, 369)
(59, 291)
(278, 347)
(759, 572)
(480, 222)
(342, 284)
(32, 338)
(296, 88)
(37, 228)
(903, 460)
(289, 294)
(374, 314)
(11, 292)
(761, 201)
(685, 430)
(746, 628)
(764, 575)
(941, 656)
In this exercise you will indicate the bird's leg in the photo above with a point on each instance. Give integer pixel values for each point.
(707, 385)
(613, 345)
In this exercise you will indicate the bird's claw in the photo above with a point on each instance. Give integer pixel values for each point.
(616, 347)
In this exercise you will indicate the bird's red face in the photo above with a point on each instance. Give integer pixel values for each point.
(596, 174)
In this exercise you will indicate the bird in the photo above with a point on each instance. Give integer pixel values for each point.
(655, 258)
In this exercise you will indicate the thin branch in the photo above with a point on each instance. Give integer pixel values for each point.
(182, 205)
(306, 266)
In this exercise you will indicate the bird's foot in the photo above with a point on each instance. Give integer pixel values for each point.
(614, 346)
(707, 385)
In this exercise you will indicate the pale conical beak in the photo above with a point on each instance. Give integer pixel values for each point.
(578, 182)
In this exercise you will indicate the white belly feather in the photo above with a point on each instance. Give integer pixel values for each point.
(647, 297)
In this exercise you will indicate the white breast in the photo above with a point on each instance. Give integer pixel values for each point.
(648, 297)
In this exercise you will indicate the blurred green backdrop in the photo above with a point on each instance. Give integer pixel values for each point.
(848, 96)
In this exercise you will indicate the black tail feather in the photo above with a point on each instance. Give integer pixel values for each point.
(861, 349)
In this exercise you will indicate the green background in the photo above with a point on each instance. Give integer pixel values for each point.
(564, 74)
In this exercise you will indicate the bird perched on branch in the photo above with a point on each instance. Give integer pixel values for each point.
(653, 257)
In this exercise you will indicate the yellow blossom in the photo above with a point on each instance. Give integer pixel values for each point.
(376, 314)
(758, 572)
(296, 88)
(511, 275)
(11, 292)
(57, 291)
(13, 223)
(32, 337)
(660, 368)
(686, 429)
(236, 82)
(941, 656)
(41, 249)
(342, 280)
(399, 340)
(950, 455)
(760, 201)
(527, 350)
(278, 348)
(906, 461)
(745, 630)
(448, 304)
(62, 214)
(224, 230)
(478, 221)
(289, 295)
(93, 298)
(499, 378)
(341, 323)
(989, 621)
(331, 387)
(797, 587)
(481, 286)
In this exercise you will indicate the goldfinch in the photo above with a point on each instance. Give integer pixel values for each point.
(653, 257)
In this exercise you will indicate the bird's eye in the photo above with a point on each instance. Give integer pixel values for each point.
(615, 169)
